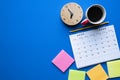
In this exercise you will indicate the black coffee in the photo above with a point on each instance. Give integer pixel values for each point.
(95, 13)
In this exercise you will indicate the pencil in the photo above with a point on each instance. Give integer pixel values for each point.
(103, 23)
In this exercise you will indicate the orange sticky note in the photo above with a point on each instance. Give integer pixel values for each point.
(97, 73)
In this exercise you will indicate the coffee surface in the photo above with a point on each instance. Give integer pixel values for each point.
(95, 14)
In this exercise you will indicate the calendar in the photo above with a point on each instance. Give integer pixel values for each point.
(94, 46)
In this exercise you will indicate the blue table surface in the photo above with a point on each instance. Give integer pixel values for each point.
(32, 34)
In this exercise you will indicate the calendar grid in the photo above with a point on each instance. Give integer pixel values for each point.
(95, 46)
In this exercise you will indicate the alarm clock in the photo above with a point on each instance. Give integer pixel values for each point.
(71, 13)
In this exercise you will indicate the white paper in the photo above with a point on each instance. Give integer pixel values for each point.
(94, 46)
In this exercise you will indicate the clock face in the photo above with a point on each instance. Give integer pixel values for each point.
(71, 14)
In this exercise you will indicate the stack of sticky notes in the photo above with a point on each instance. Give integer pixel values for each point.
(63, 60)
(76, 75)
(114, 68)
(97, 73)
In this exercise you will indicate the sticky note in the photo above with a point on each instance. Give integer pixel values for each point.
(97, 73)
(63, 60)
(76, 75)
(114, 68)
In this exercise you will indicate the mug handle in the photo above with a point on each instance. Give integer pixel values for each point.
(84, 22)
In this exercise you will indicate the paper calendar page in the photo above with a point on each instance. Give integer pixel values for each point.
(94, 46)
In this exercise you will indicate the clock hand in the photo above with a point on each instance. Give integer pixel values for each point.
(71, 14)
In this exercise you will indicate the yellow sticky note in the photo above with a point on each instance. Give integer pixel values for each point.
(114, 68)
(97, 73)
(76, 75)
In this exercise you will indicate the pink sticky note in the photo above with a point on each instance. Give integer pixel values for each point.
(63, 61)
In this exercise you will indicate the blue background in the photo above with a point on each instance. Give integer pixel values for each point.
(32, 34)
